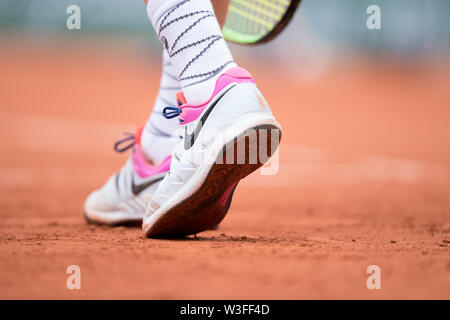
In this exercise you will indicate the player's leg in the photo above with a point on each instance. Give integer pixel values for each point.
(157, 136)
(220, 105)
(122, 199)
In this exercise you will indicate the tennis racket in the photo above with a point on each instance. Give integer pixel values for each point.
(257, 21)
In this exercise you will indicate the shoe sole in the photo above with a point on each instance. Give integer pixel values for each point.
(208, 206)
(127, 223)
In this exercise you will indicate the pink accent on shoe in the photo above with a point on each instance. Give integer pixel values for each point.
(226, 195)
(191, 113)
(145, 169)
(235, 75)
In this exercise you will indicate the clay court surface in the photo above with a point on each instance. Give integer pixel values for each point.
(364, 179)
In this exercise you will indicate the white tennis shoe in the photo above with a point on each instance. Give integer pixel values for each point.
(223, 140)
(122, 200)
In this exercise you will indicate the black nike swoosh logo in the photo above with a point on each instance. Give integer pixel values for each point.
(138, 188)
(189, 139)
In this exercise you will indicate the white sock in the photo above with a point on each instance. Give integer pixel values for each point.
(193, 39)
(157, 138)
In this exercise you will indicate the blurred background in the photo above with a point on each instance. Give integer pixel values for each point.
(385, 84)
(365, 116)
(411, 28)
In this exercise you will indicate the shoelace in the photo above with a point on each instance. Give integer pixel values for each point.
(171, 112)
(129, 137)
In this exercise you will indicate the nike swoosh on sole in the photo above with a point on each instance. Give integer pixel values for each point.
(138, 188)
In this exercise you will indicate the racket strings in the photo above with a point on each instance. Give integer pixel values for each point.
(256, 17)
